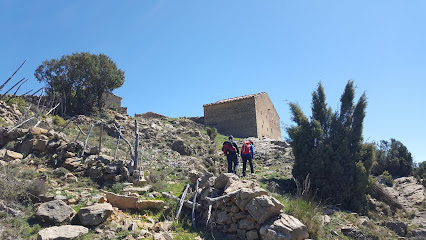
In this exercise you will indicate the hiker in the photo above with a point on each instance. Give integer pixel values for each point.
(230, 149)
(247, 155)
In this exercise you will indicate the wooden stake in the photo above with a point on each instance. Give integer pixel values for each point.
(194, 201)
(101, 128)
(182, 199)
(87, 138)
(135, 160)
(118, 142)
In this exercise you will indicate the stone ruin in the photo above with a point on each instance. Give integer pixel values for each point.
(243, 209)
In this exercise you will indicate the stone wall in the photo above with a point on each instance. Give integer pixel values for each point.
(111, 100)
(236, 117)
(268, 121)
(246, 116)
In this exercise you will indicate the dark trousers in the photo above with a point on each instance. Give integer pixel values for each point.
(232, 163)
(245, 159)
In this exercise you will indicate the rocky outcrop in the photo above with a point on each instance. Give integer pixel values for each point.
(283, 227)
(95, 214)
(62, 232)
(55, 212)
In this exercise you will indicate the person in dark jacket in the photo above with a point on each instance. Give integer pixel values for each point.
(247, 154)
(231, 150)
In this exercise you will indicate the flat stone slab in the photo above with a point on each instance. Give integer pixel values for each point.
(137, 189)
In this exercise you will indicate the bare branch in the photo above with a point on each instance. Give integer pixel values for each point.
(4, 84)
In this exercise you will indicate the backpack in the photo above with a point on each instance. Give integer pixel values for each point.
(228, 148)
(246, 148)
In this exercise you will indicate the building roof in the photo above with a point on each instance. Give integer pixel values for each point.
(235, 99)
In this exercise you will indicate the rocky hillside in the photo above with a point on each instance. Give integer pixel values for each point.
(54, 185)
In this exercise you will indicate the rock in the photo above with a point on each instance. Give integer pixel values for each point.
(225, 179)
(92, 150)
(222, 217)
(121, 201)
(69, 155)
(40, 145)
(180, 147)
(56, 212)
(263, 207)
(95, 214)
(163, 226)
(419, 233)
(70, 178)
(283, 227)
(137, 189)
(235, 185)
(325, 219)
(252, 235)
(194, 175)
(38, 131)
(72, 163)
(149, 204)
(246, 195)
(11, 156)
(17, 133)
(397, 226)
(62, 233)
(27, 146)
(246, 224)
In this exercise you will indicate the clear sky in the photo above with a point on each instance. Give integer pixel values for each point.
(179, 55)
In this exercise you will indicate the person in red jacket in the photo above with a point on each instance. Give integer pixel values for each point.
(247, 154)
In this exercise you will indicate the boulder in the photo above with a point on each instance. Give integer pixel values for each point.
(283, 227)
(11, 155)
(72, 163)
(419, 233)
(235, 185)
(64, 232)
(252, 235)
(16, 133)
(180, 147)
(95, 214)
(397, 226)
(40, 145)
(121, 201)
(246, 195)
(56, 212)
(27, 146)
(263, 207)
(38, 131)
(246, 224)
(224, 180)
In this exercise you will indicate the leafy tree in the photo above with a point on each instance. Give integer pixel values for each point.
(420, 173)
(393, 157)
(329, 148)
(80, 80)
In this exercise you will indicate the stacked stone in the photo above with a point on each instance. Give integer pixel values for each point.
(9, 113)
(244, 209)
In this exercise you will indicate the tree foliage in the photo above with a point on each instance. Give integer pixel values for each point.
(394, 157)
(420, 173)
(329, 147)
(80, 80)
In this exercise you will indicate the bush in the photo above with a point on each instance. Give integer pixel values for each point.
(211, 132)
(21, 104)
(37, 188)
(394, 157)
(58, 121)
(329, 148)
(387, 179)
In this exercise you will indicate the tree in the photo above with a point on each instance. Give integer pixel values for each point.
(329, 149)
(420, 173)
(393, 157)
(80, 80)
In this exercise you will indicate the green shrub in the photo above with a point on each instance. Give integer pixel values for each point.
(211, 132)
(387, 178)
(21, 104)
(58, 121)
(37, 188)
(60, 172)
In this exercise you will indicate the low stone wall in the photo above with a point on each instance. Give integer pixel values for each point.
(243, 209)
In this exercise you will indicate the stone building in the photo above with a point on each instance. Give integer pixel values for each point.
(246, 116)
(113, 101)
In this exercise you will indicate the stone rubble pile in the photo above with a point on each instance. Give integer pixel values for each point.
(10, 114)
(243, 209)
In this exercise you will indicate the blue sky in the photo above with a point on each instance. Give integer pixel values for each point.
(179, 55)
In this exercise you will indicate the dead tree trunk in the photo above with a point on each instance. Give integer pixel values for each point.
(194, 201)
(101, 128)
(87, 138)
(182, 199)
(4, 84)
(118, 142)
(135, 161)
(1, 97)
